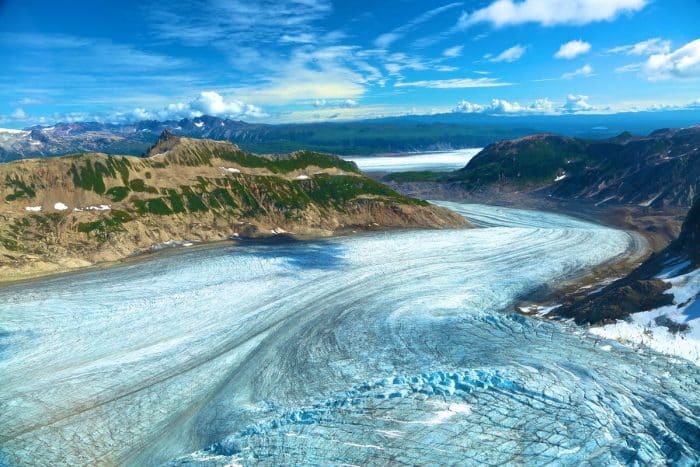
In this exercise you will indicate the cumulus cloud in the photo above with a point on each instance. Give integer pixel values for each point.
(573, 104)
(585, 71)
(576, 104)
(504, 107)
(550, 12)
(213, 103)
(453, 52)
(320, 103)
(681, 63)
(655, 45)
(572, 49)
(455, 83)
(509, 55)
(206, 103)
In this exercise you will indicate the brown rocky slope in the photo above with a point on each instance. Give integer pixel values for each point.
(74, 211)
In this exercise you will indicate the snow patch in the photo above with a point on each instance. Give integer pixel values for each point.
(101, 207)
(232, 170)
(649, 202)
(33, 208)
(559, 178)
(60, 206)
(302, 177)
(13, 132)
(650, 328)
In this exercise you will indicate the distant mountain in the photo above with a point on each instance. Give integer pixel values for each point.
(387, 135)
(661, 169)
(66, 212)
(336, 138)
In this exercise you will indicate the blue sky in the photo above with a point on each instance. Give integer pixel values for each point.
(323, 60)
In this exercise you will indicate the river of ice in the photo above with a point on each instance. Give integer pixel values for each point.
(374, 349)
(438, 161)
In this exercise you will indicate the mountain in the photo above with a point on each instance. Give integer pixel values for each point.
(658, 304)
(385, 135)
(337, 138)
(658, 170)
(73, 211)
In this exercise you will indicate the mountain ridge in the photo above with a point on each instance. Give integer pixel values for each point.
(658, 170)
(72, 211)
(360, 137)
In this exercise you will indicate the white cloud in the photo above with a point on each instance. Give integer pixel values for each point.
(301, 38)
(572, 49)
(509, 55)
(504, 107)
(348, 104)
(385, 40)
(576, 104)
(455, 83)
(573, 104)
(453, 52)
(585, 71)
(19, 114)
(550, 12)
(681, 63)
(320, 103)
(655, 45)
(213, 103)
(206, 103)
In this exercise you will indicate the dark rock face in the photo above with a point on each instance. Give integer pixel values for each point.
(641, 290)
(618, 301)
(659, 170)
(689, 239)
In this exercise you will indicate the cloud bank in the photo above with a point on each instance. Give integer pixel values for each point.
(573, 104)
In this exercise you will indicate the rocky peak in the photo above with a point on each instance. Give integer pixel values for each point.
(166, 141)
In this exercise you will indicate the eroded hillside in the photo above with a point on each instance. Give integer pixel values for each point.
(75, 211)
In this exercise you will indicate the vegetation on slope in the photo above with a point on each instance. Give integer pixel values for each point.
(662, 169)
(98, 207)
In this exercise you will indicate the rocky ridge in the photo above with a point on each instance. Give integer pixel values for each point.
(73, 211)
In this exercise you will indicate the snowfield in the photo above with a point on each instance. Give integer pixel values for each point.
(383, 348)
(647, 328)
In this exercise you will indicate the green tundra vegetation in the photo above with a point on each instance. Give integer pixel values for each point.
(521, 162)
(235, 194)
(21, 189)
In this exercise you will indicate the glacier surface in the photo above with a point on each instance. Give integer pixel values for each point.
(442, 161)
(378, 348)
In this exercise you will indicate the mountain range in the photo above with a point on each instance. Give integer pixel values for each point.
(387, 135)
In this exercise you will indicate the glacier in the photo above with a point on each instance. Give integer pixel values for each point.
(376, 348)
(437, 161)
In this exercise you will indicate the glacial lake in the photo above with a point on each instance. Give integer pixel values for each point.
(442, 161)
(380, 348)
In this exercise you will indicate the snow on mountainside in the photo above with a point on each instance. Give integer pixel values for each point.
(658, 304)
(132, 138)
(672, 329)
